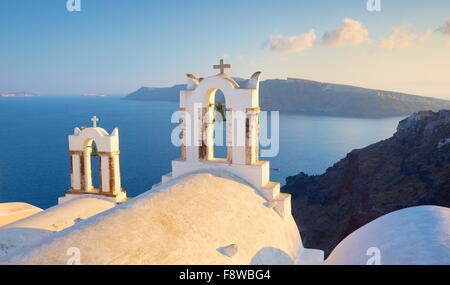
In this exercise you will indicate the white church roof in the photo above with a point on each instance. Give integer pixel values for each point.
(196, 219)
(417, 235)
(41, 224)
(10, 212)
(62, 216)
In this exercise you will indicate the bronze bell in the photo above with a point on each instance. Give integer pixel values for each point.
(94, 151)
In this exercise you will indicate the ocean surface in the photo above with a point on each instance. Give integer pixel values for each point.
(34, 158)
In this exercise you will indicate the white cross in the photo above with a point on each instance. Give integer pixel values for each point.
(222, 66)
(94, 121)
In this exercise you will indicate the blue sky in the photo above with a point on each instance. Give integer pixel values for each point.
(117, 46)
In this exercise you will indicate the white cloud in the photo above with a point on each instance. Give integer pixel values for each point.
(402, 38)
(425, 35)
(445, 28)
(348, 32)
(280, 43)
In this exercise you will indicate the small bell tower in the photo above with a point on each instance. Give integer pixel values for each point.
(81, 154)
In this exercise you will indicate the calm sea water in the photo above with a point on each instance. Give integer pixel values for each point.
(34, 159)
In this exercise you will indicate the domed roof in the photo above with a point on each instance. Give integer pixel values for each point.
(202, 218)
(10, 212)
(417, 235)
(39, 224)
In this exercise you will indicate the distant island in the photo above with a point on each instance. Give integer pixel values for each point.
(94, 95)
(16, 94)
(318, 98)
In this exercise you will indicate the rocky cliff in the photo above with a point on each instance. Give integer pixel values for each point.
(409, 169)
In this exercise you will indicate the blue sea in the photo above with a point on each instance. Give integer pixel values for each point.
(34, 158)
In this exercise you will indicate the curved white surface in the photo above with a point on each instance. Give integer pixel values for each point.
(11, 212)
(186, 221)
(416, 235)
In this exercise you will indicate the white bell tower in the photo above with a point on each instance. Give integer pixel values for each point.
(242, 134)
(80, 150)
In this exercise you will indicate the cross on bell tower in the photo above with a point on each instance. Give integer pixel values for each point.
(94, 121)
(222, 66)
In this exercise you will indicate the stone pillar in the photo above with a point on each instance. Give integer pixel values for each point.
(192, 133)
(112, 172)
(100, 186)
(104, 172)
(239, 119)
(82, 172)
(87, 170)
(75, 170)
(183, 133)
(252, 136)
(229, 135)
(202, 147)
(209, 132)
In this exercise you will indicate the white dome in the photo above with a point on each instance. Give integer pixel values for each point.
(198, 219)
(10, 212)
(41, 224)
(417, 235)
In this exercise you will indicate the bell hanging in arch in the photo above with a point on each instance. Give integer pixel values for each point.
(94, 151)
(219, 113)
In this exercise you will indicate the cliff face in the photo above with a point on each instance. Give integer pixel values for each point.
(157, 94)
(409, 169)
(321, 98)
(318, 98)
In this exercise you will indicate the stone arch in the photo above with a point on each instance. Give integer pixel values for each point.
(215, 131)
(208, 86)
(205, 93)
(87, 179)
(211, 94)
(109, 165)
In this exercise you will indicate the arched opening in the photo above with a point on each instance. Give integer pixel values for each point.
(214, 124)
(92, 167)
(95, 166)
(220, 125)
